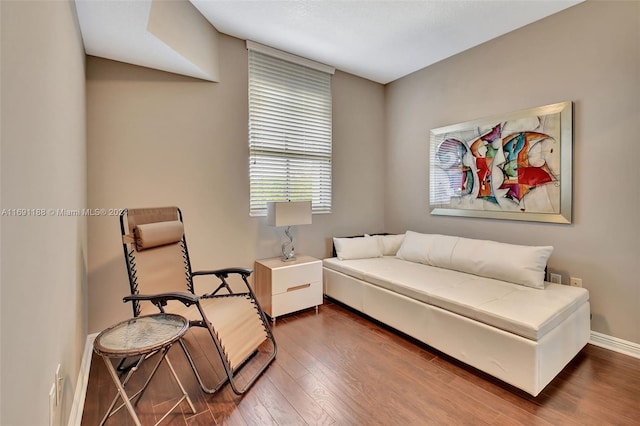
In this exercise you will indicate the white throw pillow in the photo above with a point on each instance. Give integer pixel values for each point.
(357, 248)
(441, 250)
(415, 247)
(524, 265)
(390, 244)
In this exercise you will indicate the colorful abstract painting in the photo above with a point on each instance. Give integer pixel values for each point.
(516, 166)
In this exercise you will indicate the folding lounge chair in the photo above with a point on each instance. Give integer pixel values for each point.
(155, 251)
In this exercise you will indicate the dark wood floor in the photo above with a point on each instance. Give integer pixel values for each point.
(340, 368)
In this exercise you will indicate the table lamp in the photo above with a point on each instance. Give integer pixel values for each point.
(288, 213)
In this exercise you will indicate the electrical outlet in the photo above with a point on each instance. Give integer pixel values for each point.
(59, 384)
(555, 278)
(575, 282)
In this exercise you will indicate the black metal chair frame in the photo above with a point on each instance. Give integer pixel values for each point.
(189, 298)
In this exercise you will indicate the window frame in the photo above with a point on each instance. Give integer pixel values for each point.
(289, 129)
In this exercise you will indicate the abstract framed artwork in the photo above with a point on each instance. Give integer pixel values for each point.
(516, 166)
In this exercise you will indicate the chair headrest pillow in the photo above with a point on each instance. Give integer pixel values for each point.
(156, 234)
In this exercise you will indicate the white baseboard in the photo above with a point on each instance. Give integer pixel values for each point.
(75, 417)
(615, 344)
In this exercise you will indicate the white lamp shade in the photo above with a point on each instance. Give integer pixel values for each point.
(289, 213)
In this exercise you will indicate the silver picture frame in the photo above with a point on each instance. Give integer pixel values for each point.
(515, 166)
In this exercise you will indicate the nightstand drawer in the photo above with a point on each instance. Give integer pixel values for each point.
(288, 278)
(296, 299)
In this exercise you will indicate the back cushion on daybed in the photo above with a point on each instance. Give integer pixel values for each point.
(368, 246)
(524, 265)
(357, 248)
(389, 244)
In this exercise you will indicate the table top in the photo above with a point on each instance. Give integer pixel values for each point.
(276, 262)
(140, 335)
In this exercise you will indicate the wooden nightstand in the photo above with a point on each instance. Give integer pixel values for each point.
(285, 287)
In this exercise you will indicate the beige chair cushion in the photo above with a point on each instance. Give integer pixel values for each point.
(151, 235)
(235, 319)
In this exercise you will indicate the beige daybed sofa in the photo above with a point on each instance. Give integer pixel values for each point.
(482, 302)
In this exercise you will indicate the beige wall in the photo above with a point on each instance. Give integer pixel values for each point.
(1, 204)
(43, 274)
(156, 138)
(589, 54)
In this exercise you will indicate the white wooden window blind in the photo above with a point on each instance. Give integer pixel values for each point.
(289, 133)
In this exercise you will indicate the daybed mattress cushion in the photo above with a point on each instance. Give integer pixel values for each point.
(525, 311)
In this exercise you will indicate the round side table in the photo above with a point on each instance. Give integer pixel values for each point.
(140, 337)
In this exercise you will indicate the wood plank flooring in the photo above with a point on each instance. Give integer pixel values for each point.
(340, 368)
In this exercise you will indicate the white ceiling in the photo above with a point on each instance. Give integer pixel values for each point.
(378, 40)
(117, 29)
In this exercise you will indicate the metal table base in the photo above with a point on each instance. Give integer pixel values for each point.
(144, 337)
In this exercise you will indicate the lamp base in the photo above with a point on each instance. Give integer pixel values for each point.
(288, 252)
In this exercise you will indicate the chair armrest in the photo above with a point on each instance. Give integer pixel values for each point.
(162, 298)
(224, 273)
